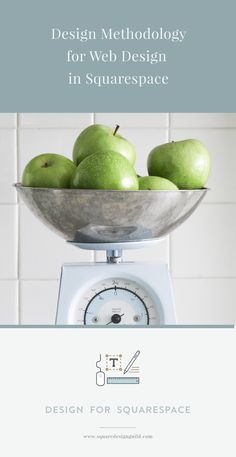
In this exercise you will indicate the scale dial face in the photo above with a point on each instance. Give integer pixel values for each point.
(114, 302)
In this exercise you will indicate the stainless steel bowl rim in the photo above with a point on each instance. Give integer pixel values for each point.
(65, 189)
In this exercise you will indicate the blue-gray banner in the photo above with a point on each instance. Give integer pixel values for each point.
(108, 56)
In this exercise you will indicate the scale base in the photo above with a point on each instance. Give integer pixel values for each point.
(78, 279)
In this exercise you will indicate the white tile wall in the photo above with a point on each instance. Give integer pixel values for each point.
(55, 120)
(8, 242)
(9, 306)
(204, 246)
(133, 120)
(8, 120)
(205, 301)
(8, 169)
(201, 253)
(38, 302)
(203, 120)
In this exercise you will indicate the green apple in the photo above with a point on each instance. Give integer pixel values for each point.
(99, 138)
(105, 170)
(155, 183)
(48, 170)
(186, 163)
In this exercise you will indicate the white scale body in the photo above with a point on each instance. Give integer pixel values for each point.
(114, 294)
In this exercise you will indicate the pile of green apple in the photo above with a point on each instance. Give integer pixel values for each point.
(102, 159)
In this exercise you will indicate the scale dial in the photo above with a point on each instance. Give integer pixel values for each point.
(113, 302)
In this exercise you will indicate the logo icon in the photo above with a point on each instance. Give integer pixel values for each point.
(117, 369)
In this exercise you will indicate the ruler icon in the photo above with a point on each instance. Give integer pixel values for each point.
(124, 380)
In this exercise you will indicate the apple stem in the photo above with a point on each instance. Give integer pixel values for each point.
(116, 129)
(45, 165)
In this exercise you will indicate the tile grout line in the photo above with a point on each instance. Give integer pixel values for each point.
(132, 127)
(202, 278)
(169, 237)
(93, 256)
(18, 222)
(173, 277)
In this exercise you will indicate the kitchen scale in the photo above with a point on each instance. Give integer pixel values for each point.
(115, 292)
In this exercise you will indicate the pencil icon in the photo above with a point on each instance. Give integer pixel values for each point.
(129, 365)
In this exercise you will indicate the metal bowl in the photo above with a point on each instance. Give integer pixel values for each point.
(111, 216)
